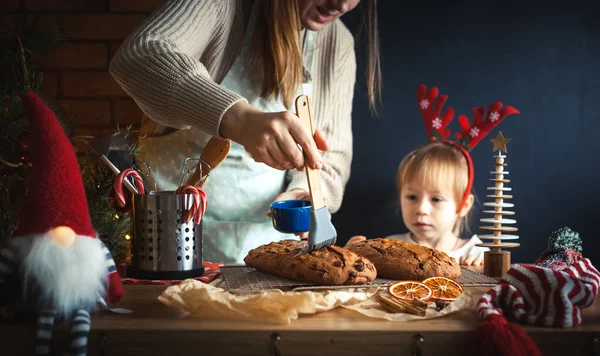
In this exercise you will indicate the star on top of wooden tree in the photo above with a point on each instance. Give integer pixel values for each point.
(500, 142)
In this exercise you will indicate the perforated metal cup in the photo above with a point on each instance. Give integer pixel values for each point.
(163, 246)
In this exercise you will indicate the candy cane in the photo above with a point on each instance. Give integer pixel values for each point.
(199, 205)
(189, 213)
(202, 210)
(118, 186)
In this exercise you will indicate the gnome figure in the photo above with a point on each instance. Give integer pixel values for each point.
(54, 267)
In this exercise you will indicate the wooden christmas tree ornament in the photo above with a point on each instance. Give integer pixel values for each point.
(497, 261)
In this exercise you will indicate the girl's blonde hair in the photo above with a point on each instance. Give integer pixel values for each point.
(437, 164)
(277, 55)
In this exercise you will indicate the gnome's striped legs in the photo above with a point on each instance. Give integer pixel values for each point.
(8, 263)
(45, 321)
(80, 329)
(43, 337)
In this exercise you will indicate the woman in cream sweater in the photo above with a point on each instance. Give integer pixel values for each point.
(232, 69)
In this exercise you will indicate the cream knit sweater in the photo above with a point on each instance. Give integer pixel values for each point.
(172, 66)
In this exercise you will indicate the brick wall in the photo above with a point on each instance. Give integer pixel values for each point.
(76, 74)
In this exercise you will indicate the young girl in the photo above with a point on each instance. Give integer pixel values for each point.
(431, 182)
(434, 181)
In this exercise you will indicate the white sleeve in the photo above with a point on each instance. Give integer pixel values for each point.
(473, 250)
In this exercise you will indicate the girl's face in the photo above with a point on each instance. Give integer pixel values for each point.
(429, 212)
(314, 14)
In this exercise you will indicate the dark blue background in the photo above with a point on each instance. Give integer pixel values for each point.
(542, 59)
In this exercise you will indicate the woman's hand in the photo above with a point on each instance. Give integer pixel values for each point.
(273, 138)
(355, 239)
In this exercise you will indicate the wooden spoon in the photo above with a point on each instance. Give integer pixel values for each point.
(213, 154)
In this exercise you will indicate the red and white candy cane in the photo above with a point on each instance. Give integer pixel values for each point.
(188, 214)
(203, 205)
(198, 206)
(118, 186)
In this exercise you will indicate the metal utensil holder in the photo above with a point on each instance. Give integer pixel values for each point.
(163, 246)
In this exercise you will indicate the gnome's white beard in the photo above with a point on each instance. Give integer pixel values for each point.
(70, 277)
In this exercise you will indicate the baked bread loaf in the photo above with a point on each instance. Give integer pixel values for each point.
(395, 259)
(332, 265)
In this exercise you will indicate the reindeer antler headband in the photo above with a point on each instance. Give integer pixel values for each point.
(437, 130)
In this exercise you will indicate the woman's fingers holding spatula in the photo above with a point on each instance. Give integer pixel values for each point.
(310, 147)
(285, 153)
(320, 140)
(272, 138)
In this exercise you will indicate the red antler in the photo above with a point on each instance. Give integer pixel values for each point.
(472, 134)
(435, 125)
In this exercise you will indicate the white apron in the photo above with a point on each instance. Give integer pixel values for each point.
(240, 190)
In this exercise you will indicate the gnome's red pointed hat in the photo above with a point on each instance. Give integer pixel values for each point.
(55, 192)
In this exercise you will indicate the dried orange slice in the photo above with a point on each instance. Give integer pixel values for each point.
(443, 288)
(409, 290)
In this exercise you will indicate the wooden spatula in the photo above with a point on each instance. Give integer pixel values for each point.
(212, 155)
(322, 232)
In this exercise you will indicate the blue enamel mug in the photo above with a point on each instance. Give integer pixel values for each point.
(291, 216)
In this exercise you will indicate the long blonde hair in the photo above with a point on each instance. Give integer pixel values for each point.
(436, 164)
(277, 55)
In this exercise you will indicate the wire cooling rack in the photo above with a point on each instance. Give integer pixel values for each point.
(246, 280)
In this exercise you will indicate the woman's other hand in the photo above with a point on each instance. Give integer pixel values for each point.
(294, 194)
(273, 138)
(355, 239)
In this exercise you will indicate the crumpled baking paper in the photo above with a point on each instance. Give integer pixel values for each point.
(210, 301)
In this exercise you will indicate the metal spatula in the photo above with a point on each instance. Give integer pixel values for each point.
(115, 153)
(322, 233)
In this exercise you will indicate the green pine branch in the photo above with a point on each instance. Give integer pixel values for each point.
(19, 52)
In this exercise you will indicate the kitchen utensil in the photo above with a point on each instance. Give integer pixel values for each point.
(116, 171)
(212, 155)
(241, 279)
(115, 153)
(144, 169)
(186, 172)
(322, 232)
(163, 246)
(291, 216)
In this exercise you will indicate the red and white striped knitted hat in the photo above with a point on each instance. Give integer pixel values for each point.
(539, 296)
(551, 293)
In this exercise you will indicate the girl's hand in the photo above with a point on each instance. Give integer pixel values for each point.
(355, 239)
(273, 138)
(471, 260)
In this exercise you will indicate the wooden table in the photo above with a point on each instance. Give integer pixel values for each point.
(154, 329)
